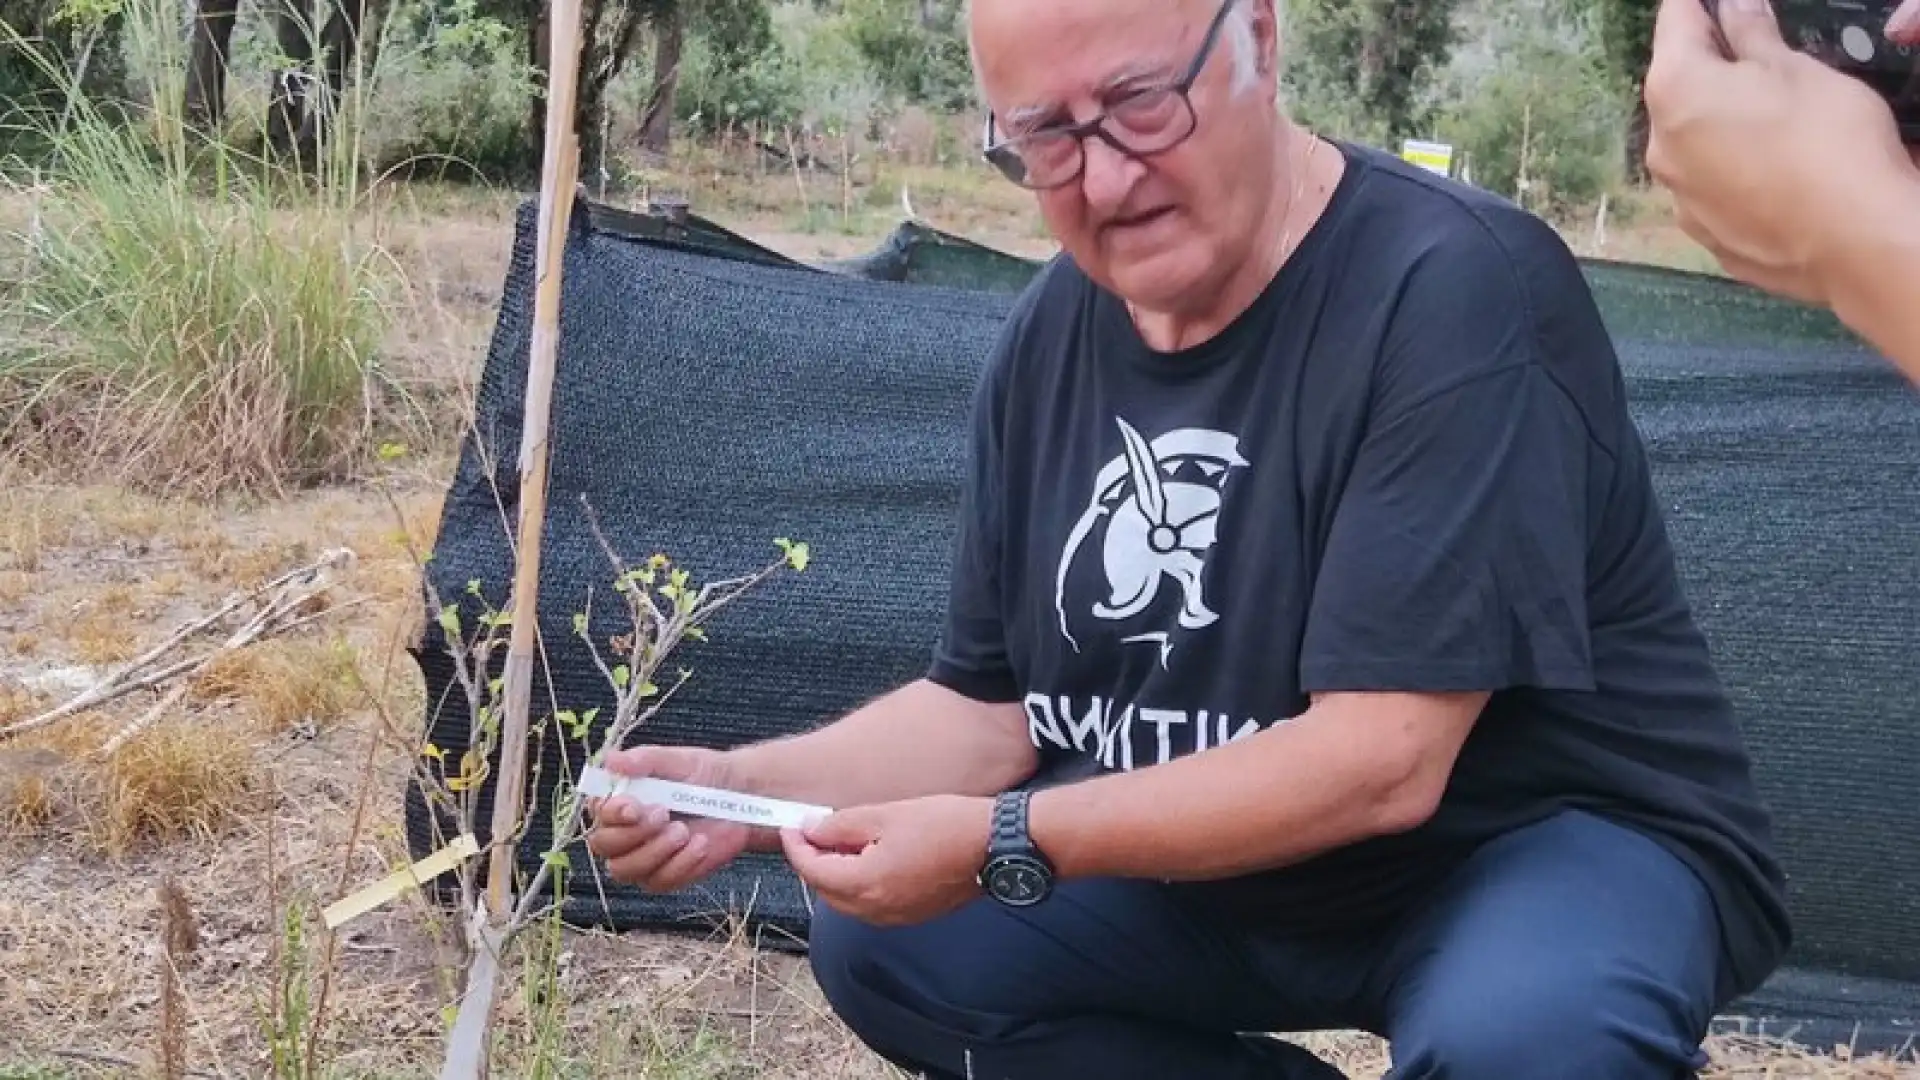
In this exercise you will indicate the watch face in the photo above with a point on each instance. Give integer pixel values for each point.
(1018, 881)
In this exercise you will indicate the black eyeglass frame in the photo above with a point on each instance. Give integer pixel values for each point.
(1005, 157)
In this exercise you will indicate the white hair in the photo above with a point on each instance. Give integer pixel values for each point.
(1243, 49)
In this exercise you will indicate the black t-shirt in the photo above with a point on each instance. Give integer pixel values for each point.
(1408, 466)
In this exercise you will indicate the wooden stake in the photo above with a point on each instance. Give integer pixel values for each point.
(490, 928)
(558, 175)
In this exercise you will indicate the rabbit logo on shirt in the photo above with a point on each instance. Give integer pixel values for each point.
(1159, 503)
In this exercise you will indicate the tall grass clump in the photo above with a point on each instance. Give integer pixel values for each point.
(186, 315)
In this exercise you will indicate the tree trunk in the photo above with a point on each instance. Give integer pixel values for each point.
(1402, 41)
(599, 66)
(539, 47)
(340, 40)
(656, 125)
(209, 50)
(603, 55)
(287, 91)
(1639, 130)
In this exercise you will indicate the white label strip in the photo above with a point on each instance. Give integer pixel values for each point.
(598, 783)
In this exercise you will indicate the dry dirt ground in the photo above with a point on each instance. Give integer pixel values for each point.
(275, 787)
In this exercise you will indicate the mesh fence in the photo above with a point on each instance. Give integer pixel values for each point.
(713, 395)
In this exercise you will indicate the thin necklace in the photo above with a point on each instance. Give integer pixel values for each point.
(1299, 189)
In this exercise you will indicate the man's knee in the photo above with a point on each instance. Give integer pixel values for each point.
(895, 985)
(1583, 1024)
(850, 961)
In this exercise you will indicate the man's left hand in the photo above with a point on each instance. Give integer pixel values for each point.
(897, 863)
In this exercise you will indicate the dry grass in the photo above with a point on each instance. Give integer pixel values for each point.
(285, 685)
(246, 799)
(188, 780)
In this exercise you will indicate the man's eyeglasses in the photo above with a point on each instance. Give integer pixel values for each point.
(1150, 120)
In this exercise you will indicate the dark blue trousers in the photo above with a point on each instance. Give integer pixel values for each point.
(1572, 949)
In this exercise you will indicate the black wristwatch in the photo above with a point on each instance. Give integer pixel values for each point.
(1016, 874)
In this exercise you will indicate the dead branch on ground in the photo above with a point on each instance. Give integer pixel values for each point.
(290, 603)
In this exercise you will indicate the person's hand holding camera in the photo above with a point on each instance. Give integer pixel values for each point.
(1778, 162)
(1791, 173)
(642, 845)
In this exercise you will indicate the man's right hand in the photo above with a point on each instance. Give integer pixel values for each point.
(642, 845)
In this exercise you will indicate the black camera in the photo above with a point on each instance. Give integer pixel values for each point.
(1850, 36)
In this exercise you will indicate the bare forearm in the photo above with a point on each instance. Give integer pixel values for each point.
(1277, 798)
(1873, 287)
(921, 739)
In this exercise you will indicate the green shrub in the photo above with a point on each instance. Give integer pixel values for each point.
(809, 75)
(1331, 86)
(719, 87)
(1534, 88)
(925, 63)
(452, 96)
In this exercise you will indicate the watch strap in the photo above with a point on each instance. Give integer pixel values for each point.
(1009, 834)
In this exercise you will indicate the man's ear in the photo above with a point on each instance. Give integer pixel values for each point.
(1266, 36)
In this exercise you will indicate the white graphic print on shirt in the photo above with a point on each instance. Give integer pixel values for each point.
(1152, 523)
(1160, 502)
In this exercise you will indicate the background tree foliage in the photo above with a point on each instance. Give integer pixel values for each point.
(1529, 96)
(1364, 65)
(917, 49)
(81, 37)
(1539, 96)
(1626, 34)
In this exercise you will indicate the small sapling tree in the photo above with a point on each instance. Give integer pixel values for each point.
(662, 608)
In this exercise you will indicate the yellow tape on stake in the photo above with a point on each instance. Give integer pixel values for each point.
(407, 877)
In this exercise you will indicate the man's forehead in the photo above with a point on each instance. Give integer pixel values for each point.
(1139, 71)
(1032, 56)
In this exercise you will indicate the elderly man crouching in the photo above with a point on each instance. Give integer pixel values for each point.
(1315, 656)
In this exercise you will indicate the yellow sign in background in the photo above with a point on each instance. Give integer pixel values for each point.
(1433, 156)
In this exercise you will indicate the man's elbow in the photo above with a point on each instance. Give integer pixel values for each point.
(1409, 790)
(1000, 768)
(1406, 746)
(1004, 756)
(1014, 761)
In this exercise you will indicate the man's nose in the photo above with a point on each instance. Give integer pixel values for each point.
(1109, 177)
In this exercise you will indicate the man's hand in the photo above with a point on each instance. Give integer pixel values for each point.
(642, 845)
(896, 863)
(1779, 164)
